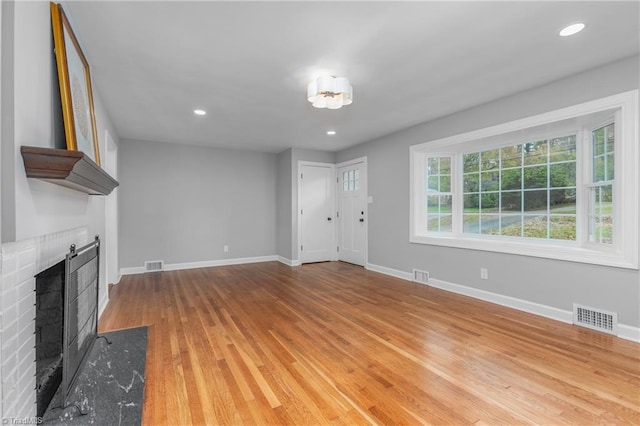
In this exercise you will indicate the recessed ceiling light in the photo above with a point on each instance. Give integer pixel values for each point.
(199, 112)
(572, 29)
(331, 132)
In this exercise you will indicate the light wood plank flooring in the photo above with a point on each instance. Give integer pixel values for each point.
(334, 343)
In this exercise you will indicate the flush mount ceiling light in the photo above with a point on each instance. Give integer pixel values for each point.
(330, 92)
(331, 132)
(199, 112)
(571, 29)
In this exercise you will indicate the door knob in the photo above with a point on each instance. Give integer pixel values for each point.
(329, 219)
(361, 220)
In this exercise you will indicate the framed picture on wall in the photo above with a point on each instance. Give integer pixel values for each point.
(75, 88)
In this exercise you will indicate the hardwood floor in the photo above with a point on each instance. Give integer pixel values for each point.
(334, 343)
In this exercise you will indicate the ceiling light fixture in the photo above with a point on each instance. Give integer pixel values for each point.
(199, 112)
(571, 29)
(331, 132)
(330, 92)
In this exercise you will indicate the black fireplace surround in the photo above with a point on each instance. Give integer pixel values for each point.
(66, 321)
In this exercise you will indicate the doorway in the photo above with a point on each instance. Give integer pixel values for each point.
(316, 212)
(352, 211)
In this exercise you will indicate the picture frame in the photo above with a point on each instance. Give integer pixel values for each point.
(76, 94)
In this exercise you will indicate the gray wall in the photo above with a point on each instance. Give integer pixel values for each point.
(553, 283)
(183, 203)
(283, 205)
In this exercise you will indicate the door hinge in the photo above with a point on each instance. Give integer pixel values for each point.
(337, 214)
(337, 180)
(301, 248)
(301, 211)
(301, 175)
(337, 248)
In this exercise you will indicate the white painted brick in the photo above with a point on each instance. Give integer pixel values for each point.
(9, 365)
(27, 257)
(26, 364)
(27, 336)
(9, 280)
(25, 349)
(27, 273)
(29, 408)
(27, 304)
(25, 288)
(9, 337)
(9, 385)
(8, 298)
(9, 263)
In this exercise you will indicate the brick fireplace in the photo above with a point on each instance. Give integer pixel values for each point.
(20, 262)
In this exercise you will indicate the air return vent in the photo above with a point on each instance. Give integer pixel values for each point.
(421, 277)
(153, 265)
(595, 319)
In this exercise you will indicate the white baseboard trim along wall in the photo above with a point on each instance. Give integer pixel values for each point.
(624, 331)
(204, 264)
(288, 262)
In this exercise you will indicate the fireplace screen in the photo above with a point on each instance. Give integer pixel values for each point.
(81, 310)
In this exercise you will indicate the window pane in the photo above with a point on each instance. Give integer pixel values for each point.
(345, 185)
(471, 223)
(598, 142)
(601, 214)
(445, 166)
(610, 167)
(445, 184)
(490, 224)
(470, 182)
(512, 156)
(535, 201)
(471, 162)
(535, 152)
(471, 203)
(511, 225)
(357, 185)
(563, 201)
(445, 223)
(357, 174)
(535, 177)
(490, 159)
(489, 202)
(535, 226)
(598, 169)
(562, 227)
(610, 138)
(350, 185)
(433, 167)
(511, 201)
(490, 181)
(432, 183)
(563, 174)
(562, 149)
(511, 179)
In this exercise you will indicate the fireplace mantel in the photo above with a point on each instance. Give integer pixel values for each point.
(72, 169)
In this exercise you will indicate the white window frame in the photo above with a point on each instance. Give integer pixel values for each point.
(622, 253)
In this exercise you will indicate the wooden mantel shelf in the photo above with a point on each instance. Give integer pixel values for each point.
(72, 169)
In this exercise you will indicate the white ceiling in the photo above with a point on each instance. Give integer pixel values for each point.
(248, 63)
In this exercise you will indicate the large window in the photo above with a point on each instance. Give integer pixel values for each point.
(560, 185)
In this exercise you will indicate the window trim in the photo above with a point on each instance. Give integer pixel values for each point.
(623, 254)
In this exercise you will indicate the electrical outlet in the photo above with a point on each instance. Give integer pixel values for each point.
(225, 249)
(484, 274)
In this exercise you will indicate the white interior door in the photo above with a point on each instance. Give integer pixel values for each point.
(316, 212)
(352, 213)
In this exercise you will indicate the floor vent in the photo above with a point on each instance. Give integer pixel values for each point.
(595, 319)
(421, 277)
(153, 265)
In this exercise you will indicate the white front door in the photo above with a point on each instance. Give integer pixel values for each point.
(352, 213)
(316, 212)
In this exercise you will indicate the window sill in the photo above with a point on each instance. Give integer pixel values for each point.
(544, 249)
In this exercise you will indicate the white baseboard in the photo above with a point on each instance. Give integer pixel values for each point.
(626, 332)
(288, 262)
(388, 271)
(203, 264)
